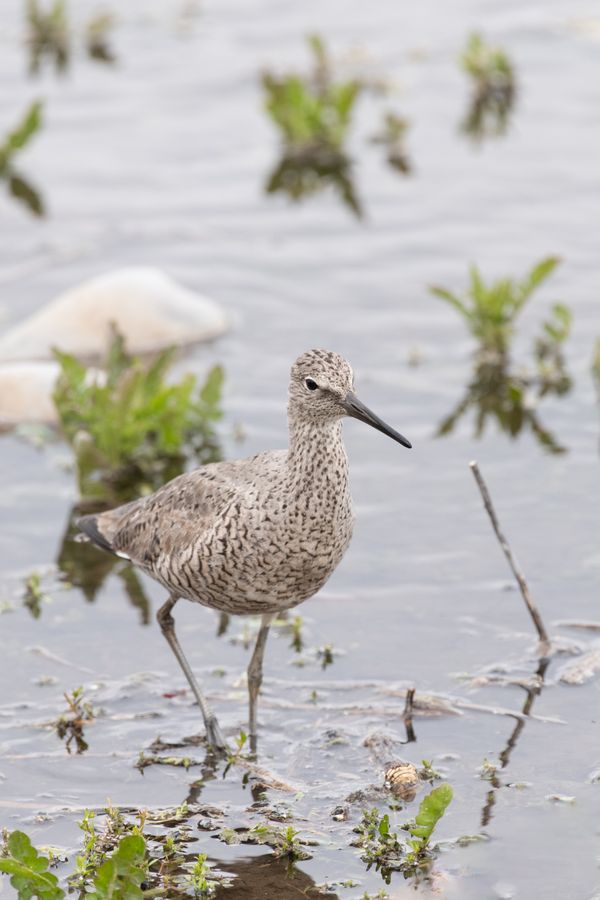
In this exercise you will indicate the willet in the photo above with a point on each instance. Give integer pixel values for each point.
(251, 536)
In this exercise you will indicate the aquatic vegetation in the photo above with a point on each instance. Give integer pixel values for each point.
(314, 114)
(313, 111)
(131, 430)
(124, 872)
(198, 879)
(232, 759)
(382, 847)
(490, 310)
(15, 141)
(50, 36)
(34, 596)
(47, 34)
(498, 391)
(427, 771)
(393, 137)
(431, 810)
(28, 869)
(97, 41)
(70, 727)
(494, 88)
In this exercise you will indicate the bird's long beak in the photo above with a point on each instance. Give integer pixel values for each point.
(358, 410)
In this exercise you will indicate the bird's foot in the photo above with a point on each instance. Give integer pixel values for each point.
(215, 738)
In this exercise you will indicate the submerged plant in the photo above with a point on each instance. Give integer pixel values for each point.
(130, 429)
(492, 76)
(15, 141)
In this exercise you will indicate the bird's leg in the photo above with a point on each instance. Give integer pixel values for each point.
(255, 674)
(167, 626)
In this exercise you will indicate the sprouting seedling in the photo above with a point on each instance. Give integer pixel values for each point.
(198, 878)
(431, 810)
(490, 310)
(240, 743)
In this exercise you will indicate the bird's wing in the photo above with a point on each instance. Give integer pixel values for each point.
(179, 513)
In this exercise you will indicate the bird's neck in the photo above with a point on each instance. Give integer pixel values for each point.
(317, 457)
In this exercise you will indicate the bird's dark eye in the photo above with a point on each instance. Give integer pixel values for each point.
(311, 385)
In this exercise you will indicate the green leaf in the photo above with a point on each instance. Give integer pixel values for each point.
(122, 875)
(431, 810)
(28, 869)
(22, 134)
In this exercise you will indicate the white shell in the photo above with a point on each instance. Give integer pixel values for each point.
(148, 307)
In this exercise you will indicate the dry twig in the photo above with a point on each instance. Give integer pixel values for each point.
(523, 587)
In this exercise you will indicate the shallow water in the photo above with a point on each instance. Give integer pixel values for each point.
(161, 159)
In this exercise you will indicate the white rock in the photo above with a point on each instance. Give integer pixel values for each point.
(150, 309)
(26, 393)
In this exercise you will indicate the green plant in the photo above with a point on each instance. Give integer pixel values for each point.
(15, 141)
(240, 743)
(431, 810)
(198, 878)
(392, 136)
(131, 430)
(34, 597)
(427, 771)
(488, 66)
(48, 34)
(122, 874)
(548, 351)
(490, 311)
(494, 89)
(380, 845)
(71, 725)
(313, 114)
(29, 870)
(314, 110)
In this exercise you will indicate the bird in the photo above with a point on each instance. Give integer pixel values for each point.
(253, 536)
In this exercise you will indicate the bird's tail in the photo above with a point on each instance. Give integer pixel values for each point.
(89, 525)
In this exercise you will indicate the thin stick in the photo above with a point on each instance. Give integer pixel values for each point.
(408, 715)
(523, 587)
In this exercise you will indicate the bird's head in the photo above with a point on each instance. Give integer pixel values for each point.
(322, 390)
